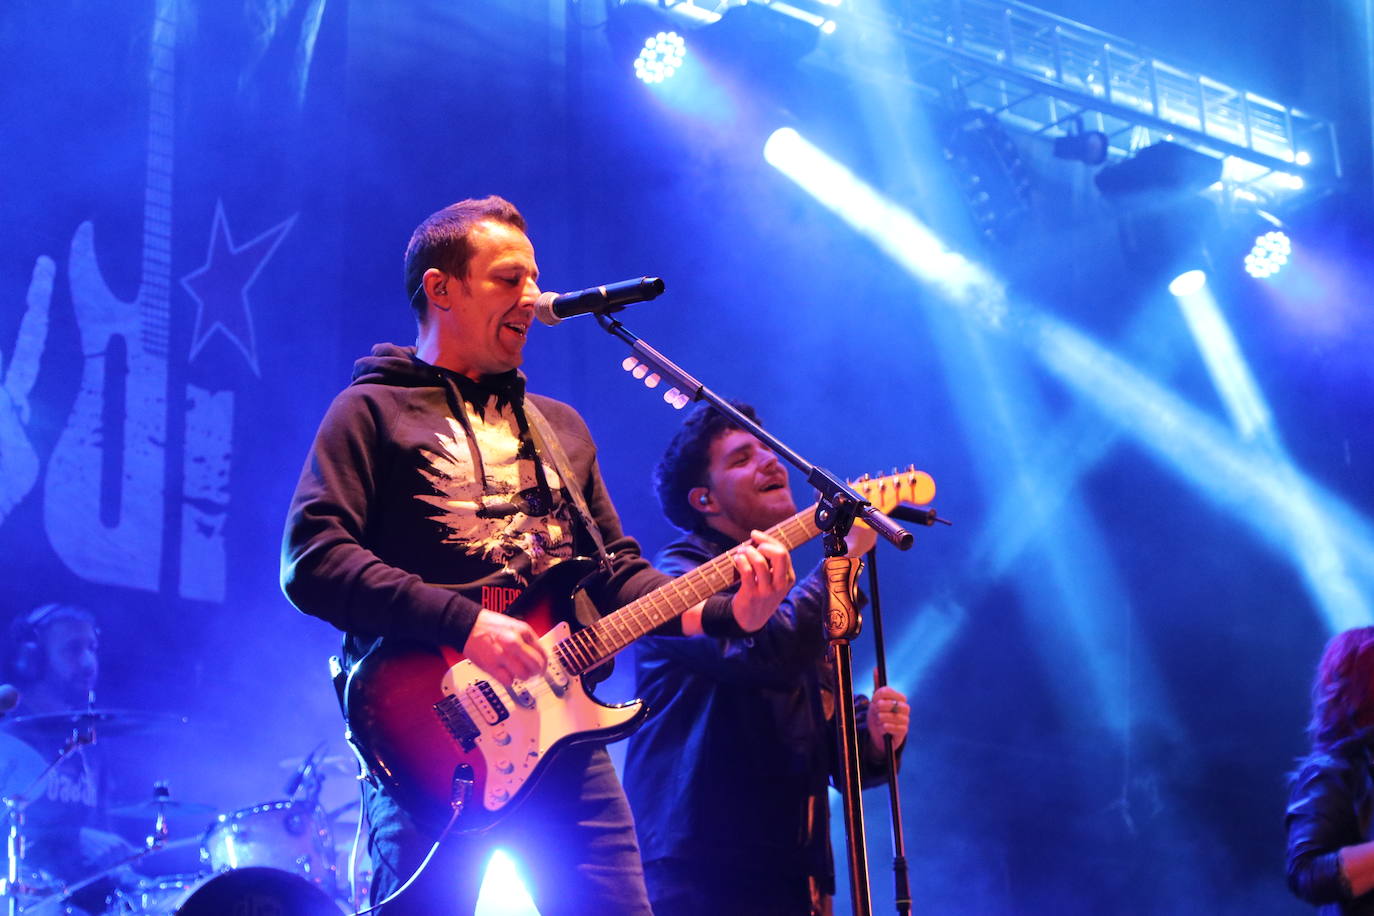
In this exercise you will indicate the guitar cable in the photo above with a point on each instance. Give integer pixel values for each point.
(419, 869)
(353, 853)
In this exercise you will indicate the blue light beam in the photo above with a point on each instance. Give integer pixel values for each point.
(1317, 556)
(896, 232)
(1250, 484)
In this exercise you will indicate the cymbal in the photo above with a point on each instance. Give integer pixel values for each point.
(338, 764)
(150, 808)
(109, 722)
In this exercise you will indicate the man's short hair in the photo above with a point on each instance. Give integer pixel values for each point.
(685, 462)
(441, 241)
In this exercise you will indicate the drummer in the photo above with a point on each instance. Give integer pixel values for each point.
(52, 657)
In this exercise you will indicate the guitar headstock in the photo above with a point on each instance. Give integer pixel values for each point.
(891, 490)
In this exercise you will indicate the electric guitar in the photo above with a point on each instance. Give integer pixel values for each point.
(454, 744)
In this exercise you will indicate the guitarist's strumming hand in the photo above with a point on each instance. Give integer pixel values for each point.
(504, 647)
(765, 572)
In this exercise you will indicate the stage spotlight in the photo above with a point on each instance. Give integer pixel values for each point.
(660, 57)
(1189, 282)
(761, 40)
(1269, 253)
(1163, 220)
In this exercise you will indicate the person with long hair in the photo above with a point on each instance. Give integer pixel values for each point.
(1331, 798)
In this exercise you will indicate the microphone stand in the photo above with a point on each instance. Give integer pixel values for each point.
(836, 511)
(900, 876)
(842, 624)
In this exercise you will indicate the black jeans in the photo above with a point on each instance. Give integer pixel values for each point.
(572, 839)
(719, 887)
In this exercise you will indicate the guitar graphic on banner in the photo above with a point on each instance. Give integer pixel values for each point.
(453, 743)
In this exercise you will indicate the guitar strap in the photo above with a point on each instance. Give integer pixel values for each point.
(547, 445)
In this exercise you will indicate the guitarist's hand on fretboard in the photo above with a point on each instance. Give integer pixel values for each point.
(504, 647)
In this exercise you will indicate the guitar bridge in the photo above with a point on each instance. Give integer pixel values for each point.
(459, 724)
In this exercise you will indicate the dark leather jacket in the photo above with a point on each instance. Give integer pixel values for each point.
(1330, 806)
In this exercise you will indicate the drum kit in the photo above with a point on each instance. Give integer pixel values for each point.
(276, 858)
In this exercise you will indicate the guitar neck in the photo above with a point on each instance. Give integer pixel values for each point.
(589, 647)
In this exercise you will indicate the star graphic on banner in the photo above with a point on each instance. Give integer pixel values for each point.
(220, 286)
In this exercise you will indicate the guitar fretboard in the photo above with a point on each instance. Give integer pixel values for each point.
(589, 647)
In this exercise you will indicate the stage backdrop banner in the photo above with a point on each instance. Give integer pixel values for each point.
(170, 264)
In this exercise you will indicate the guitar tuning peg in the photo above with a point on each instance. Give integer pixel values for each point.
(652, 381)
(628, 363)
(640, 371)
(911, 469)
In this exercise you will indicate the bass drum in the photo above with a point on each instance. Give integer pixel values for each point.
(242, 892)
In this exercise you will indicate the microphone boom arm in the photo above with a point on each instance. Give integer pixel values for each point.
(837, 498)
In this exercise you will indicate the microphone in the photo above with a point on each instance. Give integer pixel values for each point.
(9, 698)
(552, 308)
(293, 785)
(906, 512)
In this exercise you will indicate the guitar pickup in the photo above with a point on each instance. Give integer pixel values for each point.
(459, 724)
(555, 675)
(484, 699)
(522, 694)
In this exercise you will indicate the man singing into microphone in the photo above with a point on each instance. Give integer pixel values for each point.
(436, 490)
(744, 726)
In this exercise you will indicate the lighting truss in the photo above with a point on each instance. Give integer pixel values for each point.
(1040, 72)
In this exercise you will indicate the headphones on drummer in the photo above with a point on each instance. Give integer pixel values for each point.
(28, 661)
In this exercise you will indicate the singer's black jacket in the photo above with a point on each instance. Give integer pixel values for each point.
(1330, 806)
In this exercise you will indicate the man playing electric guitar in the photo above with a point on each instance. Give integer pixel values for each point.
(436, 490)
(743, 726)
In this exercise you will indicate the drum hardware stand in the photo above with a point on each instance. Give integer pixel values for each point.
(14, 806)
(162, 794)
(836, 511)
